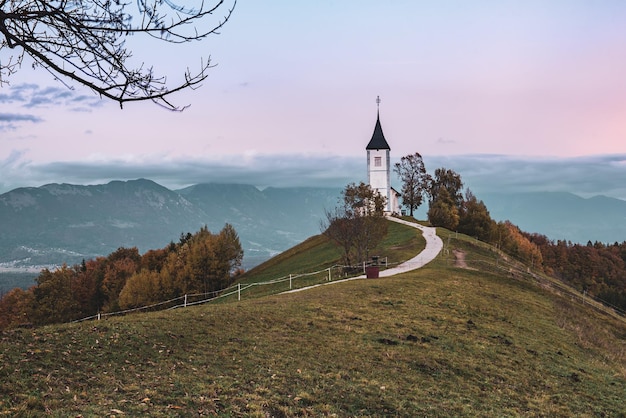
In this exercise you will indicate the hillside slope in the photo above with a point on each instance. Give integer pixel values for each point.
(439, 341)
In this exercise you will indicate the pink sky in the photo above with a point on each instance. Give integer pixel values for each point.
(526, 79)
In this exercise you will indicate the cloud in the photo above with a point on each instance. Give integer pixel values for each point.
(445, 141)
(16, 117)
(31, 96)
(10, 121)
(585, 176)
(258, 170)
(34, 97)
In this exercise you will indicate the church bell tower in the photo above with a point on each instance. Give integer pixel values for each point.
(378, 162)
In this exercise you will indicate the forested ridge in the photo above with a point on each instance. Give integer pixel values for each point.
(199, 263)
(596, 269)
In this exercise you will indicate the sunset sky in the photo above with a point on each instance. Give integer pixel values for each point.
(513, 95)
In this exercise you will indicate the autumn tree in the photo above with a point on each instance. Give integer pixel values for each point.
(88, 42)
(358, 223)
(209, 260)
(120, 265)
(16, 308)
(145, 288)
(199, 263)
(53, 296)
(415, 180)
(517, 244)
(228, 254)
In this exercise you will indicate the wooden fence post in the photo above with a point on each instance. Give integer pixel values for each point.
(238, 291)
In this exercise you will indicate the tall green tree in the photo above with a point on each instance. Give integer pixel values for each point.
(228, 254)
(443, 212)
(415, 180)
(474, 218)
(446, 198)
(358, 223)
(450, 181)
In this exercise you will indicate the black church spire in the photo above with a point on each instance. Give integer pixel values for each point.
(378, 138)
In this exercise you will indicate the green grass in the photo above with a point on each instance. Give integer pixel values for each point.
(439, 341)
(317, 254)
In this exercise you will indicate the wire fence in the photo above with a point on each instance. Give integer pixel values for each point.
(278, 285)
(499, 263)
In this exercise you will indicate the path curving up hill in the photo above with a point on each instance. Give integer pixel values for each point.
(433, 247)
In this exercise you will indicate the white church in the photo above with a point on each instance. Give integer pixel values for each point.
(379, 167)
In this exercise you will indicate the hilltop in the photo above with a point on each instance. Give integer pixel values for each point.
(439, 341)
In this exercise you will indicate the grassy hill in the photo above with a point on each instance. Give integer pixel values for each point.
(439, 341)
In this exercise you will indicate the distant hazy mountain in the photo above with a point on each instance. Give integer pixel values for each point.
(59, 223)
(562, 216)
(62, 222)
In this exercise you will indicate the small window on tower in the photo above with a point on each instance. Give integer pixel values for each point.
(378, 161)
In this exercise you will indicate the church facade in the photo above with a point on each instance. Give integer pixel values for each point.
(379, 167)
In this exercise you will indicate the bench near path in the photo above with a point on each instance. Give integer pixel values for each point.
(434, 245)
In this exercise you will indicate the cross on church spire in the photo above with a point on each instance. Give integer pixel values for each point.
(378, 102)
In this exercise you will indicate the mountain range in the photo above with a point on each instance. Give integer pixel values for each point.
(58, 223)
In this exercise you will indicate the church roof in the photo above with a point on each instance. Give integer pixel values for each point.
(378, 139)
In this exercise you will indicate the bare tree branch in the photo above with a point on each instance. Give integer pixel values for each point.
(85, 41)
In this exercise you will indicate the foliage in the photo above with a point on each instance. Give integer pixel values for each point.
(443, 212)
(203, 263)
(446, 199)
(415, 180)
(200, 262)
(595, 268)
(85, 41)
(358, 223)
(474, 219)
(450, 181)
(16, 308)
(514, 242)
